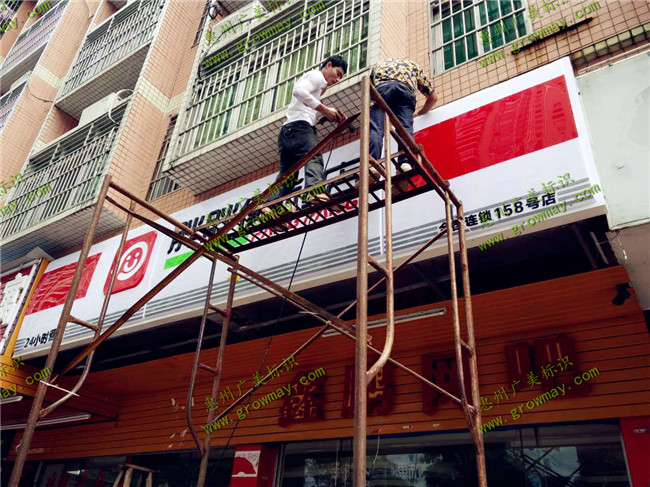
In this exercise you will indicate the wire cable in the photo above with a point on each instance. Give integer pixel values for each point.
(268, 345)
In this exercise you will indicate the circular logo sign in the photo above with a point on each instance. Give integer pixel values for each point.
(132, 260)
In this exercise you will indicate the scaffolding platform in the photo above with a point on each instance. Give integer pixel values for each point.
(356, 192)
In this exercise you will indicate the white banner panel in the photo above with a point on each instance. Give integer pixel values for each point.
(498, 147)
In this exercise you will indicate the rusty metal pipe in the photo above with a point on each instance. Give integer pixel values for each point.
(390, 288)
(359, 447)
(28, 435)
(195, 362)
(454, 306)
(81, 322)
(152, 208)
(298, 351)
(403, 367)
(203, 469)
(425, 246)
(100, 321)
(475, 426)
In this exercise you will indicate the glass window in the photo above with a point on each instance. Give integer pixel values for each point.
(199, 29)
(462, 31)
(569, 455)
(170, 470)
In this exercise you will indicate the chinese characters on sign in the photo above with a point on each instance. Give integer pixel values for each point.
(549, 362)
(305, 405)
(441, 369)
(381, 393)
(532, 202)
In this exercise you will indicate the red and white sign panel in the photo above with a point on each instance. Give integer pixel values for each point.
(519, 124)
(494, 146)
(133, 265)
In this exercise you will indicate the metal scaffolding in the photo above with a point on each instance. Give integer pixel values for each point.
(384, 189)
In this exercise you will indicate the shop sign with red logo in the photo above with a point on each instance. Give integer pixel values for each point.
(54, 286)
(133, 264)
(381, 393)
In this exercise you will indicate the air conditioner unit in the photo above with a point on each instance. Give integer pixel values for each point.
(99, 108)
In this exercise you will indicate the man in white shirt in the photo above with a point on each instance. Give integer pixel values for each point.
(298, 134)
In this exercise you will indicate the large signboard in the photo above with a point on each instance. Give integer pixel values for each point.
(502, 148)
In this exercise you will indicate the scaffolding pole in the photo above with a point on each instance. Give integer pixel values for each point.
(204, 246)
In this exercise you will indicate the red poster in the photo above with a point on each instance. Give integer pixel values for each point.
(133, 265)
(53, 287)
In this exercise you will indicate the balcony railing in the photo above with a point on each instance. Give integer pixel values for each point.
(250, 85)
(33, 38)
(7, 14)
(123, 33)
(71, 168)
(7, 103)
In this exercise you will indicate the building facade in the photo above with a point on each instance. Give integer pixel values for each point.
(542, 130)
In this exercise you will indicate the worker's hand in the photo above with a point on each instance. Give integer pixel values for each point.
(331, 114)
(342, 117)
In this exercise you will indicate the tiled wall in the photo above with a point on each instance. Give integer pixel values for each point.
(165, 71)
(10, 36)
(35, 104)
(612, 17)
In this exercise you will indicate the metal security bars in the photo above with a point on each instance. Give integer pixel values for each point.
(161, 184)
(259, 81)
(33, 38)
(462, 30)
(125, 32)
(72, 168)
(7, 104)
(8, 13)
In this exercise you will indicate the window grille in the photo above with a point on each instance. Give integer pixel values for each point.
(160, 184)
(7, 104)
(128, 29)
(460, 29)
(33, 38)
(72, 167)
(197, 36)
(250, 85)
(7, 13)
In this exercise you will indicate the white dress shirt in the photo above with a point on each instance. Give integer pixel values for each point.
(306, 97)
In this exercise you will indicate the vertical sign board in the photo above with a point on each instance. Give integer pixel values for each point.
(495, 146)
(14, 288)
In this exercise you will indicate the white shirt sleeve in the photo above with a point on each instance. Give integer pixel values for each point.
(305, 86)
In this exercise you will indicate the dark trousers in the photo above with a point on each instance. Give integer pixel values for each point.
(296, 139)
(400, 99)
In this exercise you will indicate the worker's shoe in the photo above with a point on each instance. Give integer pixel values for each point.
(316, 199)
(374, 177)
(267, 212)
(402, 185)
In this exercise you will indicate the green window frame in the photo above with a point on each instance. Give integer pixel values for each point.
(465, 30)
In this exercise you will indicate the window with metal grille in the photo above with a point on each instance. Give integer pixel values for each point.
(197, 37)
(254, 81)
(161, 185)
(7, 104)
(462, 30)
